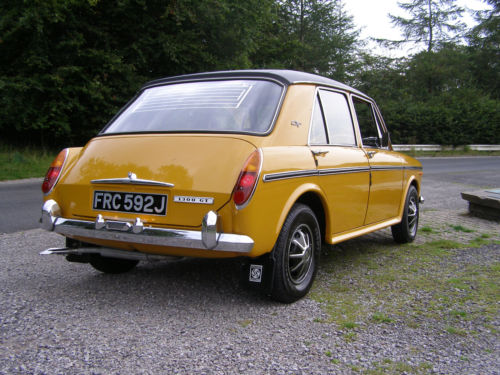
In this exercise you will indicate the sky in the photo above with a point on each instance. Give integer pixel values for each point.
(372, 17)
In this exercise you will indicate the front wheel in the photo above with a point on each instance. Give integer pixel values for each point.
(112, 265)
(296, 255)
(406, 230)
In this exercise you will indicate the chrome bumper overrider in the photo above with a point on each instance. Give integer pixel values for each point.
(207, 239)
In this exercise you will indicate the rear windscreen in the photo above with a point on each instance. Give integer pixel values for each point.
(240, 106)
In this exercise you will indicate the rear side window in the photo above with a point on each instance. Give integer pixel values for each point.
(318, 131)
(240, 106)
(338, 118)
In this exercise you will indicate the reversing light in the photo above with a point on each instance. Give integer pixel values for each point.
(54, 172)
(247, 181)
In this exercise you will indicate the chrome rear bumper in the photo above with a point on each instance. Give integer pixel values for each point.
(206, 239)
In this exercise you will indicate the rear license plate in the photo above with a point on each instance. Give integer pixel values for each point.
(137, 203)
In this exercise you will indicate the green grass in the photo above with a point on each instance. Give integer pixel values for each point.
(349, 325)
(388, 366)
(371, 283)
(381, 318)
(17, 163)
(426, 229)
(460, 228)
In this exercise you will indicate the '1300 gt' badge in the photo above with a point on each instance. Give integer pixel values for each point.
(197, 200)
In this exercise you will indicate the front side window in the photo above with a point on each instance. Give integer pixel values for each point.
(367, 124)
(240, 106)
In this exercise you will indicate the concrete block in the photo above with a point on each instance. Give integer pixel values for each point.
(484, 203)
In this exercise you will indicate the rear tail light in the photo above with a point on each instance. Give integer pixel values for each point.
(54, 172)
(247, 181)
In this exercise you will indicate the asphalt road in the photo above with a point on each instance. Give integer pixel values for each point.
(20, 205)
(20, 201)
(474, 171)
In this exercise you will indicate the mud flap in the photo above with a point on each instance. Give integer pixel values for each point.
(258, 273)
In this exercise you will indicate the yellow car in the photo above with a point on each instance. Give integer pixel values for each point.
(265, 165)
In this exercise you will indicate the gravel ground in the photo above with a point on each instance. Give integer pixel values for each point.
(192, 317)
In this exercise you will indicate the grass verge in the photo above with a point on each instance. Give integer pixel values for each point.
(17, 163)
(443, 283)
(448, 153)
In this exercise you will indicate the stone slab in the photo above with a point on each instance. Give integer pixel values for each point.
(484, 203)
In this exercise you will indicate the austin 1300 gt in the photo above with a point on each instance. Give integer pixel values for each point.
(263, 165)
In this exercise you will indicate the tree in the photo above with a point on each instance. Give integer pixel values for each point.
(484, 42)
(432, 22)
(67, 66)
(316, 36)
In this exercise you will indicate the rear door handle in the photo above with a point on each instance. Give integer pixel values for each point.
(370, 154)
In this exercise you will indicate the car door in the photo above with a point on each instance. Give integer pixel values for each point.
(342, 165)
(385, 166)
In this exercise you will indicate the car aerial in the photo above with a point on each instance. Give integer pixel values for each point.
(263, 165)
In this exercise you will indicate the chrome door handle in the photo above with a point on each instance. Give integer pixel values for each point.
(370, 154)
(319, 153)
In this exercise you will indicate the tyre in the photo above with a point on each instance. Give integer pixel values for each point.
(296, 255)
(406, 230)
(112, 265)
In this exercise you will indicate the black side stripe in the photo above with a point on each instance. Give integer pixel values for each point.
(293, 174)
(330, 171)
(326, 172)
(385, 168)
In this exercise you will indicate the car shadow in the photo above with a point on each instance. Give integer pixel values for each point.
(190, 281)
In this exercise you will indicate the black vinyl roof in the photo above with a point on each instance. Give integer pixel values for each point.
(286, 77)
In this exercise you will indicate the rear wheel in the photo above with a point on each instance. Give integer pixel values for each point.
(296, 255)
(112, 265)
(406, 230)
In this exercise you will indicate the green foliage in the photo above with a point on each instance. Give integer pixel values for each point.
(316, 36)
(433, 98)
(484, 42)
(66, 67)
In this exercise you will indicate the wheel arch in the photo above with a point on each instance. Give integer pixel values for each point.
(315, 203)
(313, 197)
(412, 181)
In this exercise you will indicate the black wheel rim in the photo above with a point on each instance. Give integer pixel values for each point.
(300, 254)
